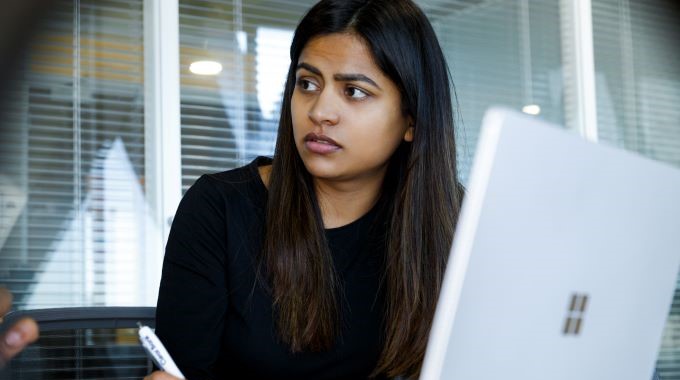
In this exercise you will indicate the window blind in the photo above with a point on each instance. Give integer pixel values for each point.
(638, 78)
(73, 159)
(229, 118)
(499, 52)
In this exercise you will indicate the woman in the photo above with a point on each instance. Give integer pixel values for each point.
(326, 261)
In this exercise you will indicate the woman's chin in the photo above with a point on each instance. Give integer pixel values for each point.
(327, 172)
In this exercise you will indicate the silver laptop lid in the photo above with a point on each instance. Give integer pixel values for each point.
(564, 262)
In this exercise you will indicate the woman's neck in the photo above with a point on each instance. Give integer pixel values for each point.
(340, 202)
(343, 202)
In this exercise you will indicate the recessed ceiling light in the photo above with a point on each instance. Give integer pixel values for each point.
(531, 109)
(205, 68)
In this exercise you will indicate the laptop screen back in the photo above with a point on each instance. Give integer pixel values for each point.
(564, 262)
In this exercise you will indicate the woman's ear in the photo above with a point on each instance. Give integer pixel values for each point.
(408, 135)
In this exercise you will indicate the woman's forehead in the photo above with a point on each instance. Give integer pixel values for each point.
(340, 53)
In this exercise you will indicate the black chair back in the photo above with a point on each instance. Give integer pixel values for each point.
(83, 343)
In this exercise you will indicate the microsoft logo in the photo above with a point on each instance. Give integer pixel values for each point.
(575, 314)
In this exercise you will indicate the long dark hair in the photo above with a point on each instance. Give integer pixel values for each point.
(421, 183)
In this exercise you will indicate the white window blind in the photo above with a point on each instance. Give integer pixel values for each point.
(72, 184)
(638, 76)
(499, 53)
(231, 117)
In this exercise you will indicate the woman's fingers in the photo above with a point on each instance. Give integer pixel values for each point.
(23, 333)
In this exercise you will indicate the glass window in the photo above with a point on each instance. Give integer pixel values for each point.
(499, 53)
(72, 185)
(231, 117)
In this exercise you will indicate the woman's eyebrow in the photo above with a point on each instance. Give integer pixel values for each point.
(339, 77)
(355, 78)
(308, 67)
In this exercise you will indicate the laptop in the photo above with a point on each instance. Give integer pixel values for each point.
(564, 262)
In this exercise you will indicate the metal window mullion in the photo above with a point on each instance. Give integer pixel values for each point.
(79, 296)
(579, 67)
(632, 127)
(240, 125)
(525, 43)
(24, 171)
(162, 133)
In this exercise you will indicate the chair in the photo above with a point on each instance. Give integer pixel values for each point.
(83, 343)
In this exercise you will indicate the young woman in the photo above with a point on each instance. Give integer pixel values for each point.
(326, 261)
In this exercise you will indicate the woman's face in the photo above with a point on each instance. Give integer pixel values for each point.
(347, 118)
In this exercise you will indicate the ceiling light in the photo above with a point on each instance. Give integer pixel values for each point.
(205, 68)
(531, 109)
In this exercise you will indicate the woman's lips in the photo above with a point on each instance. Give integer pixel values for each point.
(321, 144)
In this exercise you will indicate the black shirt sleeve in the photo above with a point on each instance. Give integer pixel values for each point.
(192, 300)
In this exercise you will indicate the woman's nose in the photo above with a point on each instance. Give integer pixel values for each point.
(325, 109)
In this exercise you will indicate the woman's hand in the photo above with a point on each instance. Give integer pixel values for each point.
(160, 375)
(18, 336)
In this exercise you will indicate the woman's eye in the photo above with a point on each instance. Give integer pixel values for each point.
(307, 85)
(355, 93)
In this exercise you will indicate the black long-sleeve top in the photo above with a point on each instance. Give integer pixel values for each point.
(217, 321)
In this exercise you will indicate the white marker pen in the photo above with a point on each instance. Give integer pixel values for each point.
(155, 350)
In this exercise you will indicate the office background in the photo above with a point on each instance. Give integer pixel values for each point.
(105, 126)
